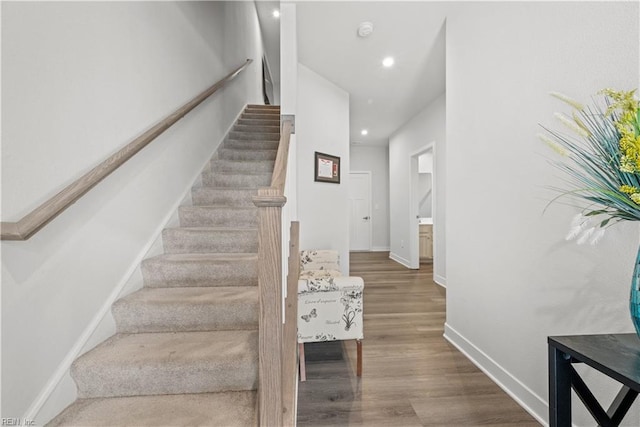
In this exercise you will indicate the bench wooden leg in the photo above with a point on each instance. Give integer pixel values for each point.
(303, 372)
(359, 362)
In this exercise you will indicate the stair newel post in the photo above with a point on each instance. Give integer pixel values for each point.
(270, 202)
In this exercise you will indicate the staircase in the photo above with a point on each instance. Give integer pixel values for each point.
(186, 348)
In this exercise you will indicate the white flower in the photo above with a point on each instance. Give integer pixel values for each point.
(572, 125)
(578, 220)
(597, 236)
(553, 145)
(564, 98)
(578, 224)
(585, 235)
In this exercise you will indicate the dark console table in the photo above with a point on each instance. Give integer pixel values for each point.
(616, 355)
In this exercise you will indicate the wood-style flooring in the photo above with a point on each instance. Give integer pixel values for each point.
(411, 375)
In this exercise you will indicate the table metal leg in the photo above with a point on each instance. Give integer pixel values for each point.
(621, 404)
(559, 388)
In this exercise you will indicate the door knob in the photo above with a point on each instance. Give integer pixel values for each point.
(366, 217)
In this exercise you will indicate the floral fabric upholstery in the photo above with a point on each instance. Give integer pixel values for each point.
(329, 304)
(319, 260)
(317, 274)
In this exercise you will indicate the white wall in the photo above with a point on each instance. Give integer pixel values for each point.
(425, 191)
(79, 81)
(322, 124)
(512, 279)
(425, 162)
(242, 40)
(376, 160)
(289, 96)
(427, 127)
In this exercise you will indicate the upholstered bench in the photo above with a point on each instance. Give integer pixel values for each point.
(329, 304)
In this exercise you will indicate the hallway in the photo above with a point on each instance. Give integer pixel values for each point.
(411, 375)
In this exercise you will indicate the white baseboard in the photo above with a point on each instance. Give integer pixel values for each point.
(400, 260)
(380, 249)
(523, 395)
(56, 390)
(440, 280)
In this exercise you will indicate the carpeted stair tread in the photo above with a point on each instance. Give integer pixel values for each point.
(235, 135)
(250, 144)
(236, 180)
(187, 309)
(242, 155)
(210, 240)
(226, 409)
(261, 113)
(239, 166)
(212, 216)
(207, 196)
(179, 270)
(169, 363)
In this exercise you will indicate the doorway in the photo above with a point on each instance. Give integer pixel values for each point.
(267, 84)
(421, 204)
(360, 222)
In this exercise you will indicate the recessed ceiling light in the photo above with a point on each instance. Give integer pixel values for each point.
(276, 13)
(388, 61)
(365, 29)
(364, 132)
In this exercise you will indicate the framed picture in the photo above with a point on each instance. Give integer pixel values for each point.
(327, 168)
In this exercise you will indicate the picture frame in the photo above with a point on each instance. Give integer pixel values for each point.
(326, 168)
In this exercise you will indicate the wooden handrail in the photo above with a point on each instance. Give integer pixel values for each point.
(43, 214)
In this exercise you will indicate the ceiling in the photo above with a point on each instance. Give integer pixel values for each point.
(381, 99)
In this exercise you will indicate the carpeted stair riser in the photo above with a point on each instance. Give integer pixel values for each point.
(230, 409)
(204, 196)
(257, 128)
(217, 216)
(244, 155)
(249, 144)
(263, 107)
(169, 363)
(217, 179)
(254, 136)
(260, 116)
(187, 310)
(198, 270)
(233, 166)
(261, 122)
(209, 240)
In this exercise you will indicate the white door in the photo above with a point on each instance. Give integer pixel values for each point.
(360, 211)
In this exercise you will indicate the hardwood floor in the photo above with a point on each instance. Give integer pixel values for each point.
(411, 375)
